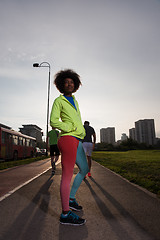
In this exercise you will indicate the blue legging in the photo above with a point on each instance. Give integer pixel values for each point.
(82, 164)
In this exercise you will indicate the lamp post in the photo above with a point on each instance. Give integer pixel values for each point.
(45, 64)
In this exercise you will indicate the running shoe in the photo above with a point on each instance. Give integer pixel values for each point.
(71, 219)
(89, 174)
(74, 205)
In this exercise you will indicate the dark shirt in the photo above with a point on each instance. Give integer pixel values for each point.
(89, 132)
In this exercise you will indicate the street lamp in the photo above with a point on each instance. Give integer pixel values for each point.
(45, 64)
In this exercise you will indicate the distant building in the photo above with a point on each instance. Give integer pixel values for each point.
(124, 137)
(33, 131)
(118, 142)
(107, 135)
(132, 133)
(4, 126)
(158, 142)
(145, 131)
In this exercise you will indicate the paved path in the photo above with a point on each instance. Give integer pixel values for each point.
(114, 210)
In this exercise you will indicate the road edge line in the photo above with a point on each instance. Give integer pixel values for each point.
(23, 184)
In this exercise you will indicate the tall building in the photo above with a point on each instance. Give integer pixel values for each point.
(145, 131)
(132, 133)
(107, 135)
(124, 137)
(33, 131)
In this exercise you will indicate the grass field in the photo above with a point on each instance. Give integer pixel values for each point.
(138, 166)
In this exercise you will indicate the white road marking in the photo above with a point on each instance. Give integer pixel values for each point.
(23, 184)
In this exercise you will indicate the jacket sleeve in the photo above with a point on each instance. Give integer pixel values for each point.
(55, 119)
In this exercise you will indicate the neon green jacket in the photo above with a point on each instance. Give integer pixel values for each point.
(71, 123)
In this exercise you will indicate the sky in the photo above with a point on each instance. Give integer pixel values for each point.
(114, 45)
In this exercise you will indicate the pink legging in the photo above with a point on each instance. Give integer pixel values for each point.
(68, 146)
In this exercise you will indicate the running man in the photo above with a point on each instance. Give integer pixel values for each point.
(54, 151)
(88, 144)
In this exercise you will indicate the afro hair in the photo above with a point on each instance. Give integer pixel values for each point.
(62, 75)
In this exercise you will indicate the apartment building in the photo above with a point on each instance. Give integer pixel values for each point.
(33, 131)
(132, 133)
(145, 131)
(107, 135)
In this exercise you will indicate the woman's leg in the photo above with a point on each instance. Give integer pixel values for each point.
(82, 164)
(68, 148)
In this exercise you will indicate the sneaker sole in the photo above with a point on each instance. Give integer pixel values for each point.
(72, 224)
(75, 209)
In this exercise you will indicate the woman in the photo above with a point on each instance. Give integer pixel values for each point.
(65, 107)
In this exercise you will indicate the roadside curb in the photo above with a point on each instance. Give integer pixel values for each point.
(134, 184)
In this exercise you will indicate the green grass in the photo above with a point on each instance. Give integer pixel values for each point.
(10, 164)
(138, 166)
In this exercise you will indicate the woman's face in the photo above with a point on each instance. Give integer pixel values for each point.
(68, 87)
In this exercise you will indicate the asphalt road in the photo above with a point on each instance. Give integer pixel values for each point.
(13, 178)
(114, 208)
